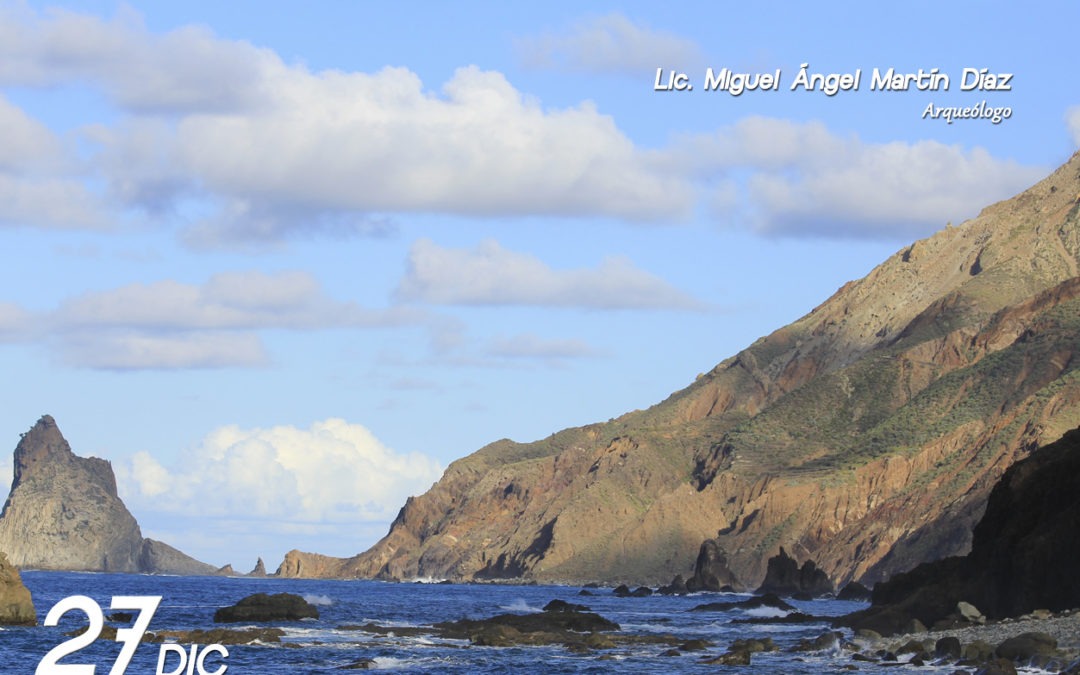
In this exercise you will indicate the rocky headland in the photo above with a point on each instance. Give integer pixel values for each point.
(63, 513)
(865, 436)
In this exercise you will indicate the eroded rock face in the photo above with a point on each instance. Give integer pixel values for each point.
(63, 513)
(16, 605)
(785, 577)
(1023, 556)
(866, 435)
(711, 571)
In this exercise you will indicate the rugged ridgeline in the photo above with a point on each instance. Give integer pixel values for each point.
(865, 436)
(64, 513)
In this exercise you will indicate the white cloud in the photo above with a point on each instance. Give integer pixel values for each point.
(354, 142)
(331, 472)
(131, 350)
(282, 150)
(188, 69)
(610, 44)
(807, 181)
(35, 186)
(170, 325)
(230, 300)
(1072, 119)
(493, 275)
(270, 150)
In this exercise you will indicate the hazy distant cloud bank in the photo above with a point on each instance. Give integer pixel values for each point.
(609, 44)
(492, 275)
(269, 150)
(170, 325)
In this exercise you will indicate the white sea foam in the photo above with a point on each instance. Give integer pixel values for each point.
(520, 605)
(770, 612)
(319, 600)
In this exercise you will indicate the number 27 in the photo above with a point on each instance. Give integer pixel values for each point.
(146, 605)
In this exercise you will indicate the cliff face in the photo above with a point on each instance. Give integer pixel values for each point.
(866, 435)
(64, 513)
(1023, 556)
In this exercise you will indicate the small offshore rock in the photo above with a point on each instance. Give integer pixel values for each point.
(563, 606)
(854, 591)
(676, 587)
(264, 607)
(695, 645)
(599, 641)
(740, 657)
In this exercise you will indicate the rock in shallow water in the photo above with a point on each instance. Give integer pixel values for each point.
(264, 607)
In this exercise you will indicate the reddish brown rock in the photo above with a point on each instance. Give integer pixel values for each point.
(865, 436)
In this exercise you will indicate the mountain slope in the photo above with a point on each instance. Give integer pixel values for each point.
(866, 435)
(64, 513)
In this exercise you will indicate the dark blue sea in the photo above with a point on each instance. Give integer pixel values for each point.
(327, 645)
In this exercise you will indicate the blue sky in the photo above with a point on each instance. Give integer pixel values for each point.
(283, 266)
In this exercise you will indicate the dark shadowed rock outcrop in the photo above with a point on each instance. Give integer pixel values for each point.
(784, 577)
(1024, 555)
(64, 513)
(711, 571)
(262, 607)
(16, 605)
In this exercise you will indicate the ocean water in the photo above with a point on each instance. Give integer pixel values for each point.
(328, 644)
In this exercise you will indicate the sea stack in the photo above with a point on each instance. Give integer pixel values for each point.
(63, 513)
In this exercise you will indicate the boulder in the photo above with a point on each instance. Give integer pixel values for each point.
(16, 605)
(854, 591)
(784, 577)
(676, 587)
(262, 607)
(970, 613)
(1027, 647)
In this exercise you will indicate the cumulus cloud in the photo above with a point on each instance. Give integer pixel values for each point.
(185, 70)
(807, 181)
(331, 472)
(1072, 118)
(168, 324)
(610, 44)
(270, 150)
(37, 187)
(492, 275)
(281, 150)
